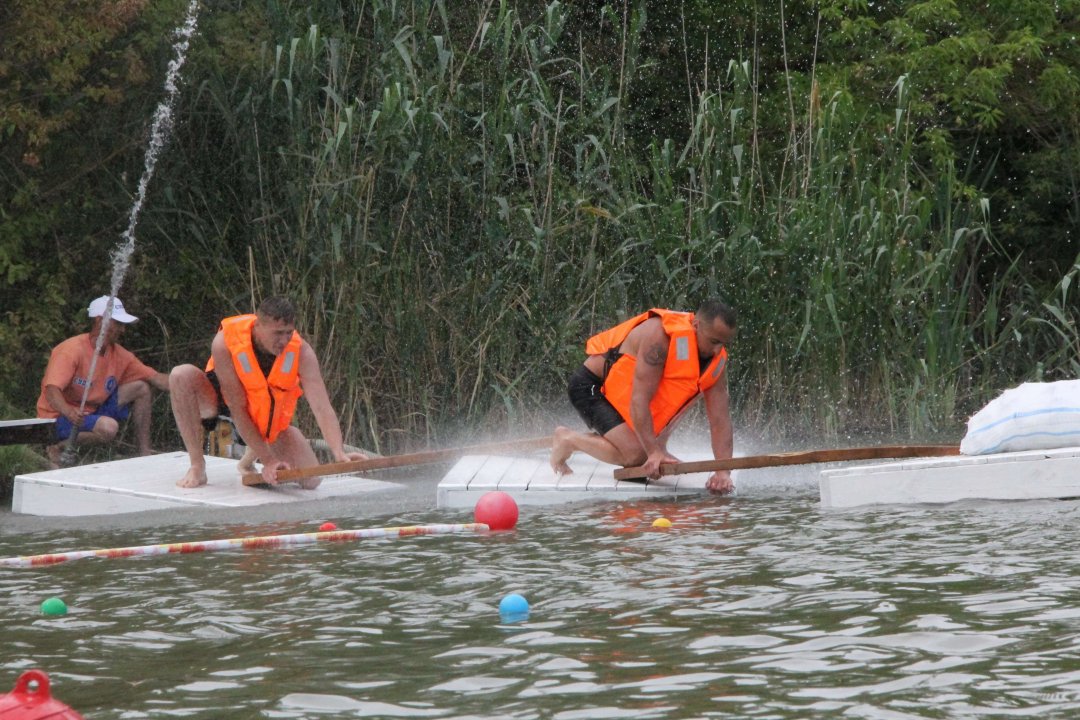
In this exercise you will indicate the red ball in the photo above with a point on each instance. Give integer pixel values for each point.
(327, 526)
(497, 510)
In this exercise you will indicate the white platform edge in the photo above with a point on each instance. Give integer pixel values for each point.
(149, 483)
(1026, 475)
(530, 481)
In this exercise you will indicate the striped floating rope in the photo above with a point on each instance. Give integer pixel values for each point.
(244, 543)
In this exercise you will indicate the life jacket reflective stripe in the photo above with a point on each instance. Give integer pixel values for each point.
(271, 400)
(682, 380)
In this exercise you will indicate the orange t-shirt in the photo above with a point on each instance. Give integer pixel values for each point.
(69, 366)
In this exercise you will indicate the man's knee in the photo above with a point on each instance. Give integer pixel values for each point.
(625, 441)
(186, 377)
(133, 392)
(105, 429)
(291, 439)
(292, 447)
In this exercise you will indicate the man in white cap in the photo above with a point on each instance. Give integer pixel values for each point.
(120, 388)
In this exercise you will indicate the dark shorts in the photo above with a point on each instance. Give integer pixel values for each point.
(110, 408)
(583, 388)
(222, 408)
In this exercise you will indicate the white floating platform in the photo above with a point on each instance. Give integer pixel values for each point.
(1027, 475)
(149, 483)
(531, 481)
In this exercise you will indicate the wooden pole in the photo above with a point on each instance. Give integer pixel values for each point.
(391, 461)
(805, 457)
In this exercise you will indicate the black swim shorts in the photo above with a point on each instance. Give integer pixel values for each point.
(223, 409)
(583, 387)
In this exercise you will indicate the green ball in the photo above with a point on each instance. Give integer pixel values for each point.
(54, 606)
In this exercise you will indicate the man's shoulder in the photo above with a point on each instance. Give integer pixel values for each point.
(218, 342)
(648, 334)
(75, 344)
(119, 358)
(121, 351)
(653, 326)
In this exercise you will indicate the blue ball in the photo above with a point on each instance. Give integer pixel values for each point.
(513, 608)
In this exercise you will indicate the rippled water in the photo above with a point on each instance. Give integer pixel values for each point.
(744, 608)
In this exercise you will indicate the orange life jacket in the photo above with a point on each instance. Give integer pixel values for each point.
(271, 400)
(682, 380)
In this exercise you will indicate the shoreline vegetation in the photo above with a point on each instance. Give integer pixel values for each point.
(456, 196)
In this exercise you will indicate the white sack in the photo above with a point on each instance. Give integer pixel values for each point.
(1034, 416)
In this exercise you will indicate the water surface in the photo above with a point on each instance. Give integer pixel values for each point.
(746, 607)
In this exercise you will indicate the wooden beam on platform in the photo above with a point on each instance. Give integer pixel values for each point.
(804, 457)
(429, 457)
(26, 432)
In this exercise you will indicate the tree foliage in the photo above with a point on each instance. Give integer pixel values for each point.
(77, 81)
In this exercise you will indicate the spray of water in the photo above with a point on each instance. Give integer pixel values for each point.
(159, 135)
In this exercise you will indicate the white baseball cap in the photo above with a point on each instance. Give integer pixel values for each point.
(97, 309)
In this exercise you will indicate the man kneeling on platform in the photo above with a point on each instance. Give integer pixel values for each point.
(259, 367)
(638, 380)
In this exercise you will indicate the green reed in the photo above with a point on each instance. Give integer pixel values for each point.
(453, 198)
(444, 226)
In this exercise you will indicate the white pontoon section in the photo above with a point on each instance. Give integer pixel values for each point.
(1025, 475)
(149, 483)
(531, 481)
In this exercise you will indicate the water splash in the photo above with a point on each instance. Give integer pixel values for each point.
(159, 135)
(160, 131)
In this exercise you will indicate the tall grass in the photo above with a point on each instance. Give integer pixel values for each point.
(450, 194)
(858, 288)
(433, 202)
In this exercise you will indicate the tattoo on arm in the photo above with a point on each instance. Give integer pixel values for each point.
(656, 354)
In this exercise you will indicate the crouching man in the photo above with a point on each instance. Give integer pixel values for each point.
(259, 367)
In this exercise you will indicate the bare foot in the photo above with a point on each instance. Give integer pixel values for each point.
(193, 478)
(247, 463)
(561, 450)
